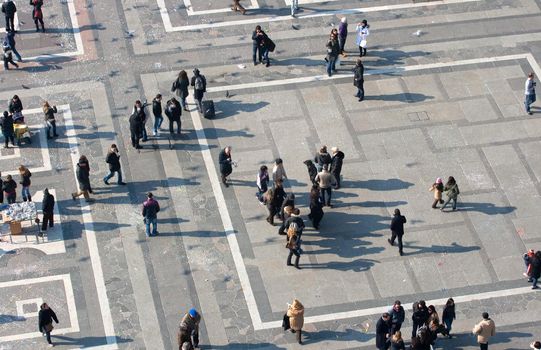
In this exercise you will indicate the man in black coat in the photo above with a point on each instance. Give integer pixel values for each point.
(383, 331)
(48, 210)
(226, 164)
(113, 159)
(397, 316)
(173, 111)
(6, 124)
(9, 9)
(397, 229)
(336, 165)
(136, 130)
(419, 317)
(535, 269)
(358, 79)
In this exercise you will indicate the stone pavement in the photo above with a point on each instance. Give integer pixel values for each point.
(444, 96)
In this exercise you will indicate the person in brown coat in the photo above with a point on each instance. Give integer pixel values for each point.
(484, 330)
(437, 188)
(295, 312)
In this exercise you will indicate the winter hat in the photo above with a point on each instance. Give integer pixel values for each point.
(439, 180)
(536, 345)
(193, 312)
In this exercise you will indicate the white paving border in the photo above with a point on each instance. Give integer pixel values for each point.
(70, 301)
(191, 12)
(229, 230)
(170, 28)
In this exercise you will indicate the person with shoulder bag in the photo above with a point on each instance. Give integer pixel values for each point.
(46, 316)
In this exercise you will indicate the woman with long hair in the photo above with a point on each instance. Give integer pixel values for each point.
(25, 183)
(180, 88)
(316, 207)
(50, 120)
(397, 343)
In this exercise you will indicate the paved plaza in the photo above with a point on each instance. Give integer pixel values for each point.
(444, 84)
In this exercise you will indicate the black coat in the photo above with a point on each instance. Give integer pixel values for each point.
(278, 199)
(6, 123)
(448, 313)
(297, 220)
(9, 8)
(382, 329)
(358, 78)
(180, 87)
(173, 110)
(48, 203)
(225, 163)
(45, 317)
(25, 179)
(397, 224)
(136, 124)
(420, 316)
(336, 163)
(156, 107)
(15, 106)
(535, 267)
(83, 175)
(49, 113)
(9, 186)
(322, 159)
(113, 159)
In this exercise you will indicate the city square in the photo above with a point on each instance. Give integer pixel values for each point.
(444, 96)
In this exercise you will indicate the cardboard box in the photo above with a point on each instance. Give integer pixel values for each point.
(15, 228)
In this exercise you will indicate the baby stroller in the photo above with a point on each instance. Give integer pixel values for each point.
(22, 132)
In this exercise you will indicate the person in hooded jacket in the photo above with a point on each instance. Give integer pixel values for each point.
(199, 84)
(47, 207)
(336, 165)
(180, 88)
(83, 177)
(295, 312)
(9, 9)
(173, 111)
(6, 124)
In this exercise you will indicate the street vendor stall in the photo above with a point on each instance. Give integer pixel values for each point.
(14, 215)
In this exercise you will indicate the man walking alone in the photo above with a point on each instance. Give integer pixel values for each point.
(397, 229)
(113, 159)
(151, 207)
(484, 330)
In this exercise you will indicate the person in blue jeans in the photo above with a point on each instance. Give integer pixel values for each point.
(151, 207)
(333, 50)
(157, 111)
(25, 183)
(449, 315)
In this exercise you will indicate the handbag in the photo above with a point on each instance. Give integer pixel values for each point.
(285, 322)
(48, 327)
(363, 44)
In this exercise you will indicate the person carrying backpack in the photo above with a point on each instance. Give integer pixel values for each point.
(199, 84)
(293, 244)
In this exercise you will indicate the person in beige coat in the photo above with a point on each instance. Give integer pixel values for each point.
(437, 188)
(484, 330)
(295, 312)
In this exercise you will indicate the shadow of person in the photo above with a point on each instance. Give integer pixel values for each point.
(485, 208)
(379, 184)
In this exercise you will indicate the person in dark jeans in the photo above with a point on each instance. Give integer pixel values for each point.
(10, 38)
(151, 207)
(342, 35)
(6, 124)
(157, 111)
(358, 79)
(257, 42)
(9, 9)
(397, 230)
(113, 159)
(47, 208)
(173, 111)
(50, 120)
(333, 50)
(46, 316)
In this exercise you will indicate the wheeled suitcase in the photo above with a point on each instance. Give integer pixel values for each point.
(208, 109)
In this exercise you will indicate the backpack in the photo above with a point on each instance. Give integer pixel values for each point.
(199, 83)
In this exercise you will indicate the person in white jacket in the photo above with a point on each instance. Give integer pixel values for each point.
(362, 34)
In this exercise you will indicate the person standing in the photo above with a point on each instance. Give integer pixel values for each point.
(397, 343)
(437, 188)
(9, 187)
(1, 189)
(449, 315)
(336, 165)
(295, 312)
(8, 57)
(136, 126)
(397, 316)
(189, 328)
(157, 111)
(529, 91)
(484, 330)
(326, 181)
(46, 316)
(294, 7)
(278, 171)
(50, 120)
(358, 79)
(236, 6)
(10, 38)
(397, 230)
(312, 171)
(333, 50)
(180, 88)
(262, 183)
(419, 317)
(383, 331)
(322, 158)
(451, 188)
(316, 207)
(47, 207)
(15, 106)
(6, 124)
(9, 9)
(151, 207)
(83, 177)
(139, 111)
(362, 34)
(173, 111)
(535, 269)
(342, 35)
(295, 218)
(226, 164)
(113, 159)
(258, 39)
(25, 183)
(37, 14)
(199, 83)
(294, 245)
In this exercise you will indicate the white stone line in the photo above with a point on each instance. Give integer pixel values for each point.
(303, 2)
(70, 302)
(90, 236)
(226, 219)
(169, 28)
(368, 72)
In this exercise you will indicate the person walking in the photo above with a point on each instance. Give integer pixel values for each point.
(113, 159)
(358, 79)
(278, 171)
(262, 182)
(199, 83)
(157, 111)
(46, 315)
(322, 158)
(363, 32)
(485, 329)
(529, 92)
(47, 208)
(10, 39)
(25, 183)
(189, 328)
(294, 245)
(326, 181)
(535, 269)
(316, 207)
(294, 7)
(383, 332)
(236, 6)
(397, 315)
(136, 126)
(151, 207)
(449, 315)
(50, 121)
(336, 165)
(333, 50)
(6, 124)
(9, 9)
(295, 312)
(397, 230)
(37, 14)
(9, 187)
(397, 343)
(180, 88)
(226, 164)
(452, 191)
(437, 188)
(8, 57)
(173, 111)
(83, 177)
(342, 35)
